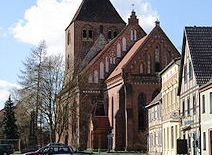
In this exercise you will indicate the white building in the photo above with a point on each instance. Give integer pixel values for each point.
(195, 71)
(155, 128)
(206, 118)
(170, 107)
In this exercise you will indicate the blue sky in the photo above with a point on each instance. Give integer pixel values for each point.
(24, 23)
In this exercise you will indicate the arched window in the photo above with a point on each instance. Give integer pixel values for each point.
(87, 33)
(111, 60)
(109, 35)
(106, 65)
(112, 111)
(118, 50)
(67, 61)
(142, 112)
(141, 68)
(114, 60)
(157, 59)
(102, 70)
(157, 54)
(96, 76)
(124, 42)
(132, 34)
(135, 35)
(148, 64)
(68, 37)
(90, 79)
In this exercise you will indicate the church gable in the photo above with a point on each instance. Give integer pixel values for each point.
(148, 56)
(102, 64)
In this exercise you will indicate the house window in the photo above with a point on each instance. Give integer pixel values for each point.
(210, 102)
(188, 105)
(194, 104)
(185, 73)
(203, 103)
(183, 108)
(172, 137)
(142, 113)
(190, 71)
(189, 141)
(204, 140)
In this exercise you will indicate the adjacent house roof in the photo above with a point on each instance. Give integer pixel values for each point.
(97, 11)
(155, 101)
(200, 46)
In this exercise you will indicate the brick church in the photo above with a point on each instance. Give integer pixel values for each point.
(111, 74)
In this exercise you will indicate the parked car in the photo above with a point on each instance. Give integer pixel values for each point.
(52, 149)
(6, 149)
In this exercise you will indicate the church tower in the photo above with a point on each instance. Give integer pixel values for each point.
(93, 17)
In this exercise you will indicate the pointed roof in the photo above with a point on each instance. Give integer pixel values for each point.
(200, 47)
(97, 11)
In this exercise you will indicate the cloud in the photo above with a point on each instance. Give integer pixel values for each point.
(5, 88)
(47, 20)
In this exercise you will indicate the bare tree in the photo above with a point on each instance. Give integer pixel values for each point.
(41, 80)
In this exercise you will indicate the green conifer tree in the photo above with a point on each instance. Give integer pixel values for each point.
(10, 128)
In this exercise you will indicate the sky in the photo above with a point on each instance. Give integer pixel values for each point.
(24, 23)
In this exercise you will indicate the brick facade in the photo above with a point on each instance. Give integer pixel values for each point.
(116, 75)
